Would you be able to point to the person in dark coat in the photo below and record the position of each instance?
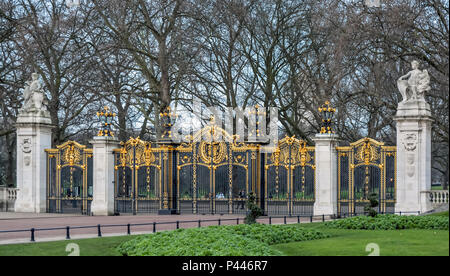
(242, 197)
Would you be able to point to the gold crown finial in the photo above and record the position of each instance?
(327, 113)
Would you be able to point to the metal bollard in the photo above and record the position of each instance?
(219, 222)
(284, 219)
(99, 230)
(311, 218)
(323, 218)
(298, 219)
(237, 221)
(199, 223)
(68, 233)
(178, 225)
(32, 234)
(270, 220)
(154, 227)
(129, 229)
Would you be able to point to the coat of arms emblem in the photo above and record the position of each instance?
(409, 141)
(26, 145)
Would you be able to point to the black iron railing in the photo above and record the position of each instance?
(178, 224)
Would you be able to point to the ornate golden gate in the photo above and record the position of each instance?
(290, 178)
(366, 167)
(138, 177)
(69, 179)
(215, 173)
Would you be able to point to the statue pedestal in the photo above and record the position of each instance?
(34, 135)
(413, 108)
(103, 162)
(414, 122)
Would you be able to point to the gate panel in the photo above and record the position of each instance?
(243, 175)
(366, 167)
(277, 190)
(345, 194)
(71, 190)
(185, 188)
(303, 190)
(69, 179)
(137, 177)
(367, 181)
(52, 180)
(148, 190)
(390, 183)
(204, 190)
(222, 189)
(218, 169)
(240, 188)
(123, 186)
(290, 178)
(186, 183)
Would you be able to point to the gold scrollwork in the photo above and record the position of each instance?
(136, 153)
(213, 151)
(367, 150)
(303, 153)
(122, 158)
(71, 155)
(240, 159)
(292, 151)
(366, 153)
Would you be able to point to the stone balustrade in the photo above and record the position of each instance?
(438, 197)
(8, 198)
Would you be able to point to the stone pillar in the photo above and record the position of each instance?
(326, 174)
(103, 162)
(34, 135)
(414, 121)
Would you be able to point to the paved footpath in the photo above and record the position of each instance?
(18, 221)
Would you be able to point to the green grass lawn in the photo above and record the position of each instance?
(88, 247)
(441, 214)
(437, 188)
(354, 242)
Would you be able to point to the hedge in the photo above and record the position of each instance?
(391, 222)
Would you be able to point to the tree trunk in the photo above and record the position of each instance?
(165, 82)
(10, 169)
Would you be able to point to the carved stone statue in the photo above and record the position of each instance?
(33, 96)
(413, 85)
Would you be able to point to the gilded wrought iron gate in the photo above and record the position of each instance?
(69, 179)
(290, 178)
(137, 177)
(366, 167)
(215, 173)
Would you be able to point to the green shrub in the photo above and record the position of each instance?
(373, 202)
(274, 234)
(254, 210)
(236, 240)
(391, 222)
